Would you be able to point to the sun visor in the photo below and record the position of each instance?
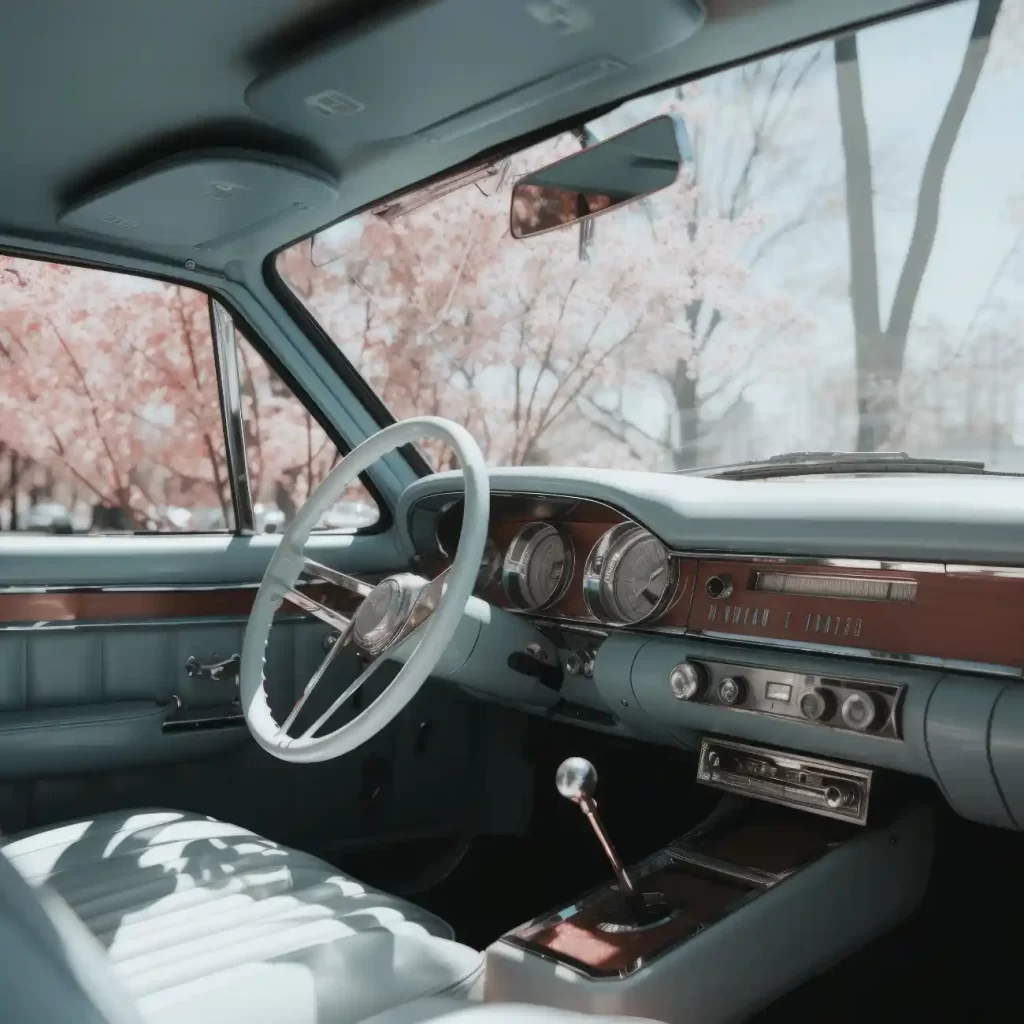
(201, 200)
(454, 65)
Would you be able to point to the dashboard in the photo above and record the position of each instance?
(583, 562)
(910, 664)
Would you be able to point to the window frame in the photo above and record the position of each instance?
(237, 462)
(385, 514)
(332, 352)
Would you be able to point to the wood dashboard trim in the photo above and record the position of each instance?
(960, 614)
(35, 606)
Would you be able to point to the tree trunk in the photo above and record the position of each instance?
(880, 354)
(684, 391)
(860, 220)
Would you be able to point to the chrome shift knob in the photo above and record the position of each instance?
(576, 779)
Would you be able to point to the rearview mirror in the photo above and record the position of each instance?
(610, 174)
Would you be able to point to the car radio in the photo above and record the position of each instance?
(822, 787)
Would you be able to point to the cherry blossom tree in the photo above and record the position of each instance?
(109, 382)
(534, 344)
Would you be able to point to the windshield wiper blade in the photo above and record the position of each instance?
(811, 463)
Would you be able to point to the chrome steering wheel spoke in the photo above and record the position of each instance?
(339, 579)
(386, 614)
(311, 606)
(335, 649)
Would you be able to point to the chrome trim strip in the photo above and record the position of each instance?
(129, 588)
(65, 627)
(225, 345)
(774, 561)
(1004, 571)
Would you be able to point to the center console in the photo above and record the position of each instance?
(742, 908)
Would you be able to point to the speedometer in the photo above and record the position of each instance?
(629, 577)
(537, 567)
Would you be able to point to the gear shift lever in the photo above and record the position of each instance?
(576, 780)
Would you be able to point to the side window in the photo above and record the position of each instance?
(289, 453)
(109, 410)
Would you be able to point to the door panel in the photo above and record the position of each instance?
(91, 676)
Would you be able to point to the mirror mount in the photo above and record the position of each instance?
(607, 174)
(586, 138)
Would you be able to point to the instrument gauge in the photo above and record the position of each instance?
(629, 577)
(537, 567)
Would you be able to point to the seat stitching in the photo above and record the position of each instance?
(167, 918)
(104, 883)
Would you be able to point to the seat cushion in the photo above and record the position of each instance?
(206, 921)
(458, 1011)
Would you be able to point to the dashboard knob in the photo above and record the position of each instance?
(574, 664)
(688, 680)
(817, 704)
(718, 587)
(837, 796)
(859, 711)
(732, 690)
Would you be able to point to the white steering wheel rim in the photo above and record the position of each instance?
(437, 632)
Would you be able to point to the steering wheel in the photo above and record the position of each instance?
(387, 614)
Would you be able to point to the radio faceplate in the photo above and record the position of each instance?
(821, 787)
(832, 702)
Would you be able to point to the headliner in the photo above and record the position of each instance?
(97, 90)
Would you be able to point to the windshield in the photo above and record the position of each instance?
(838, 267)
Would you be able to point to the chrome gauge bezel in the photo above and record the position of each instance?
(515, 566)
(601, 568)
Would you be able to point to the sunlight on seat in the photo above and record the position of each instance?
(139, 823)
(48, 851)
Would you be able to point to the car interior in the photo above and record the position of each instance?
(365, 657)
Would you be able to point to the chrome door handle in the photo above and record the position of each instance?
(215, 670)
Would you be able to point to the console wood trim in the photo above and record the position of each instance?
(764, 843)
(698, 902)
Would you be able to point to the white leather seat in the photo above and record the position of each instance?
(204, 921)
(458, 1011)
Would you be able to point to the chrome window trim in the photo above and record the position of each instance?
(174, 623)
(225, 343)
(127, 588)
